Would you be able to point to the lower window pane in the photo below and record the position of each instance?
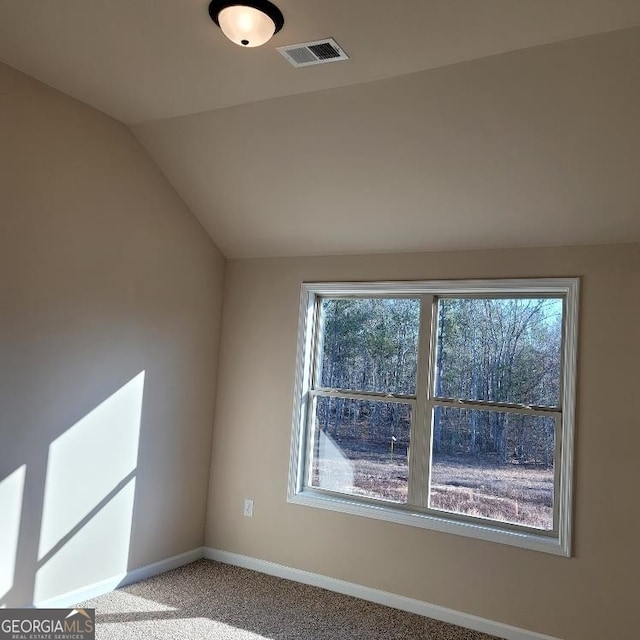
(361, 448)
(493, 465)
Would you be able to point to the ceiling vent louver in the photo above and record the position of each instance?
(316, 52)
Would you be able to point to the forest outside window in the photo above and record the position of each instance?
(444, 405)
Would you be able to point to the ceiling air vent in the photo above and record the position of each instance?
(317, 52)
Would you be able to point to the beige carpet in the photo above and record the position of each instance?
(210, 600)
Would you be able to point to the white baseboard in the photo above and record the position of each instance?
(403, 603)
(120, 580)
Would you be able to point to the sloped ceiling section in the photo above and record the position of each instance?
(455, 124)
(534, 147)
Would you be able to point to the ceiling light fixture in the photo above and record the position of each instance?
(250, 23)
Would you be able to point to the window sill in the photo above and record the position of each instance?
(524, 540)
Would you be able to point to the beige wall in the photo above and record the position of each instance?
(590, 596)
(104, 274)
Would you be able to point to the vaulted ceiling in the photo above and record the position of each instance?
(455, 124)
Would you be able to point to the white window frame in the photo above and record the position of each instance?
(557, 542)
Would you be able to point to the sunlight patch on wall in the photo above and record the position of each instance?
(98, 551)
(11, 492)
(89, 495)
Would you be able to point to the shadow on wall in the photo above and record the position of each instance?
(67, 507)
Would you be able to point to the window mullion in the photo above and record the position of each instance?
(420, 438)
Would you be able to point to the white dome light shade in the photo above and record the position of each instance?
(248, 23)
(246, 26)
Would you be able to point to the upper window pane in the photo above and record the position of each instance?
(499, 350)
(369, 344)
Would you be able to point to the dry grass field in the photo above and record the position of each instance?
(506, 492)
(520, 494)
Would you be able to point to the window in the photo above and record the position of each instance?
(443, 405)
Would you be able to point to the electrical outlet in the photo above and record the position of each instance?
(248, 508)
